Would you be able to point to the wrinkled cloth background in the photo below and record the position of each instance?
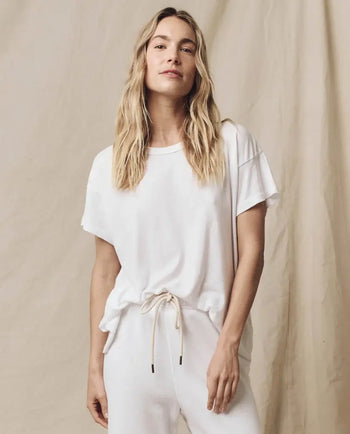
(282, 69)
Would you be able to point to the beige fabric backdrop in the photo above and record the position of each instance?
(282, 69)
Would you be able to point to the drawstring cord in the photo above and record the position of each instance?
(157, 300)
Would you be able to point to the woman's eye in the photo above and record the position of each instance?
(185, 48)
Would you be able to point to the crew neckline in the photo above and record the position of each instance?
(165, 149)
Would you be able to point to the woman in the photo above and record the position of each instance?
(173, 203)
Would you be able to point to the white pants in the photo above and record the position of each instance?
(144, 402)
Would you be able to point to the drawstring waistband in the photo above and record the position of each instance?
(157, 300)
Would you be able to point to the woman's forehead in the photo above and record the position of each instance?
(174, 28)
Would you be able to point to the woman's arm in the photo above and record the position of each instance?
(251, 240)
(104, 272)
(223, 369)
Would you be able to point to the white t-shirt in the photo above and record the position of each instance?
(172, 233)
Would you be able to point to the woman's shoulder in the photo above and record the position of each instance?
(104, 155)
(240, 139)
(233, 130)
(100, 167)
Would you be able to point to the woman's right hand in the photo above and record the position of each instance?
(97, 398)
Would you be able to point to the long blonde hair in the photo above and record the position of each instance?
(201, 128)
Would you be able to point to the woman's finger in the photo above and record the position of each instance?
(220, 393)
(95, 410)
(234, 385)
(212, 384)
(104, 406)
(227, 394)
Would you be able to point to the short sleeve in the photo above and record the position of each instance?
(94, 216)
(255, 179)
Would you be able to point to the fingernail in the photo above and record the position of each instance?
(106, 415)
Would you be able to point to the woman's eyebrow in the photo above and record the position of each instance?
(167, 39)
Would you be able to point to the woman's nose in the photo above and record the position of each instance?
(173, 56)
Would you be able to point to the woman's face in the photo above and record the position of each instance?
(173, 49)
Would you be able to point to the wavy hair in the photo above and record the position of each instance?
(201, 128)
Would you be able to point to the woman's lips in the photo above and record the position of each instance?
(171, 74)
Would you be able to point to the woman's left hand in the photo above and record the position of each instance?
(222, 377)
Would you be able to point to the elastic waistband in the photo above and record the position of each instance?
(183, 304)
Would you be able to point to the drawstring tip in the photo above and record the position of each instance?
(152, 367)
(180, 360)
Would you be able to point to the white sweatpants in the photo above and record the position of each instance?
(144, 402)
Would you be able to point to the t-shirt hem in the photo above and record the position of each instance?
(270, 198)
(96, 231)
